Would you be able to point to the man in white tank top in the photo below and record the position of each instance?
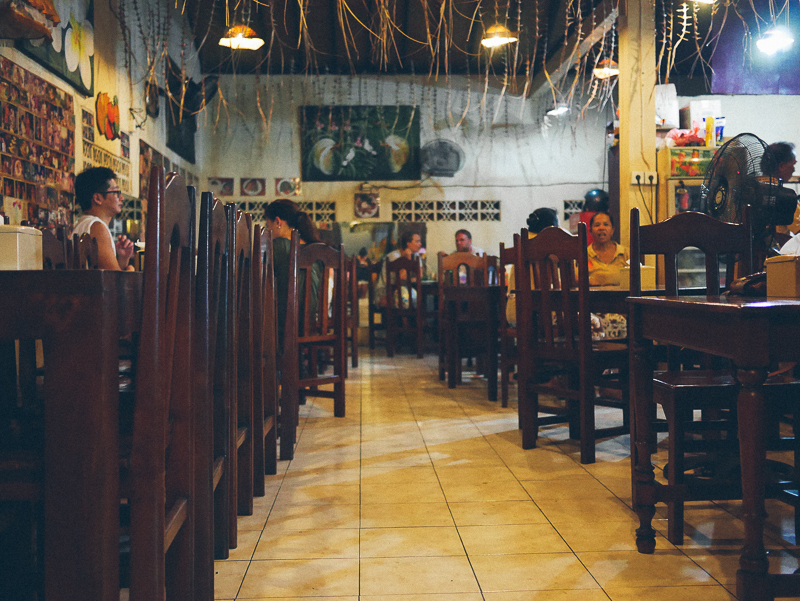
(98, 194)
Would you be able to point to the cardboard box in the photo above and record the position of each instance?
(783, 276)
(648, 277)
(699, 110)
(20, 248)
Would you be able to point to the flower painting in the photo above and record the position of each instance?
(354, 143)
(71, 53)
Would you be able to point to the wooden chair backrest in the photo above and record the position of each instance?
(562, 261)
(163, 391)
(85, 253)
(507, 257)
(690, 229)
(54, 249)
(324, 314)
(463, 268)
(403, 274)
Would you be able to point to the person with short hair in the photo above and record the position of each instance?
(100, 198)
(778, 160)
(464, 244)
(410, 245)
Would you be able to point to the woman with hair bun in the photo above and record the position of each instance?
(283, 217)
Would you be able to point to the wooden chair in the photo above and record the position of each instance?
(556, 354)
(404, 281)
(240, 362)
(352, 317)
(84, 252)
(315, 321)
(54, 249)
(712, 391)
(265, 376)
(160, 476)
(508, 335)
(458, 268)
(210, 391)
(375, 309)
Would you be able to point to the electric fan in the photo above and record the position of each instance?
(740, 174)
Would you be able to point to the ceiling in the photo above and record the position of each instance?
(434, 37)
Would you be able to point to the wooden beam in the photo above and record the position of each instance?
(593, 28)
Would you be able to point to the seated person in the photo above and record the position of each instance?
(100, 198)
(606, 257)
(410, 243)
(283, 217)
(464, 244)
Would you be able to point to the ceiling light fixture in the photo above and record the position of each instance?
(775, 40)
(241, 37)
(498, 35)
(558, 110)
(606, 69)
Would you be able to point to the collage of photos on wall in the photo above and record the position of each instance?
(37, 148)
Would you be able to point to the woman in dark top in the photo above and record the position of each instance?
(283, 217)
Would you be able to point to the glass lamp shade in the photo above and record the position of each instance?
(605, 69)
(241, 37)
(498, 35)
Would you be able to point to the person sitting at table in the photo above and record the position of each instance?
(100, 198)
(283, 217)
(410, 245)
(464, 244)
(606, 257)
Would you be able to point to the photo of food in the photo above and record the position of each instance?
(221, 186)
(253, 186)
(366, 205)
(287, 186)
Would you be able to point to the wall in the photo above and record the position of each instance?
(519, 157)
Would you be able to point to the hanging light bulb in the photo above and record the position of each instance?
(775, 40)
(241, 37)
(558, 110)
(606, 69)
(498, 35)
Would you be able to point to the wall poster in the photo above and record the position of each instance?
(37, 148)
(356, 143)
(71, 53)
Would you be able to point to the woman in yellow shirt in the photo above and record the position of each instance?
(606, 257)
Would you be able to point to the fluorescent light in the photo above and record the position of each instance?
(606, 68)
(241, 37)
(775, 40)
(498, 35)
(559, 109)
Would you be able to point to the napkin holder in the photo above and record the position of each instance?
(20, 248)
(648, 277)
(783, 276)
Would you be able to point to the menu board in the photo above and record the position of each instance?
(37, 148)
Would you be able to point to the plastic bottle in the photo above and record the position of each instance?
(711, 133)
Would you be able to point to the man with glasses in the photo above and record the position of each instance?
(100, 198)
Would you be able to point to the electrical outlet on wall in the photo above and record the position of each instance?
(644, 178)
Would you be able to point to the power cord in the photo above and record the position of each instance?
(641, 194)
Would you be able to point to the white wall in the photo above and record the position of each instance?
(526, 163)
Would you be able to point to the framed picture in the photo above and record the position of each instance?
(287, 186)
(366, 205)
(221, 186)
(252, 186)
(357, 143)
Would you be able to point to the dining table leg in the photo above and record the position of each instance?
(752, 580)
(642, 474)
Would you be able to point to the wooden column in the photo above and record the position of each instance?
(637, 114)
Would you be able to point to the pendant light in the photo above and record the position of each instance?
(606, 69)
(498, 35)
(240, 36)
(775, 40)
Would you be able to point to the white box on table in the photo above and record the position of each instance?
(783, 276)
(20, 248)
(648, 277)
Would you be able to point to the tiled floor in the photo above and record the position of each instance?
(424, 494)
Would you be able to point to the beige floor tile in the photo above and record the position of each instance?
(484, 491)
(672, 593)
(228, 576)
(417, 575)
(530, 572)
(327, 598)
(723, 563)
(252, 522)
(512, 539)
(631, 569)
(322, 477)
(307, 544)
(416, 492)
(300, 578)
(562, 595)
(423, 597)
(578, 487)
(393, 476)
(312, 494)
(314, 517)
(405, 515)
(246, 544)
(398, 459)
(608, 509)
(499, 512)
(411, 542)
(473, 475)
(605, 536)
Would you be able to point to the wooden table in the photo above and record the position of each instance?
(79, 315)
(483, 301)
(753, 333)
